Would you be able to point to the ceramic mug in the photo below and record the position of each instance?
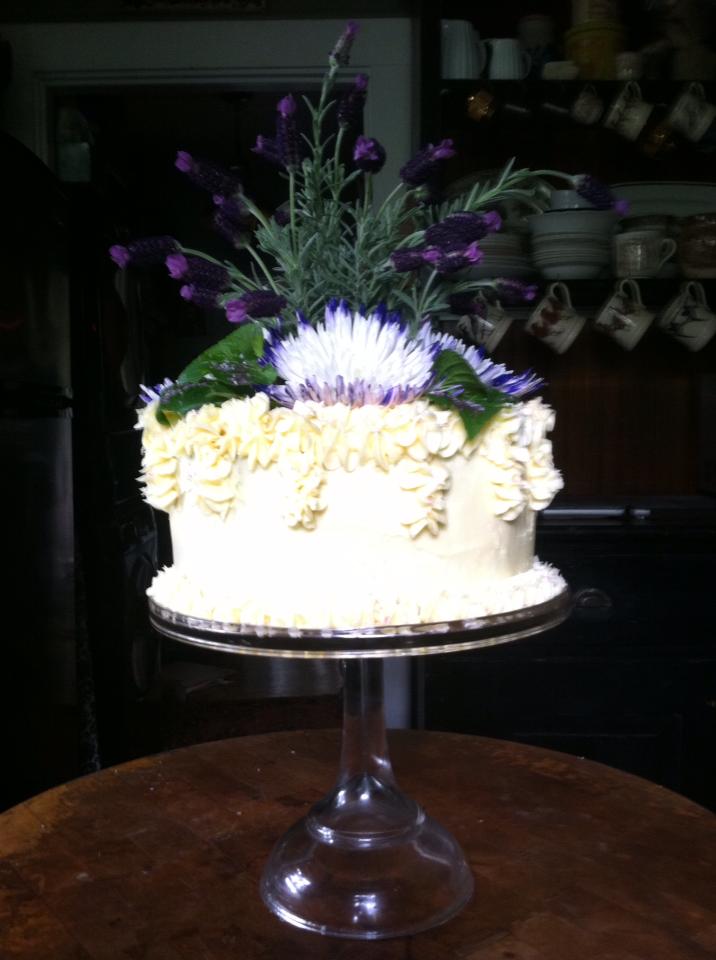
(623, 316)
(486, 329)
(508, 61)
(691, 113)
(554, 320)
(588, 106)
(463, 54)
(641, 253)
(688, 319)
(629, 112)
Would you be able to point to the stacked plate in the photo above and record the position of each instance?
(572, 244)
(571, 256)
(504, 256)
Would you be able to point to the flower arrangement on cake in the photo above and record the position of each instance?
(338, 405)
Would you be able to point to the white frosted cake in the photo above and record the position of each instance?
(321, 514)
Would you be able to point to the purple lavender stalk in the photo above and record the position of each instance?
(267, 148)
(599, 194)
(208, 175)
(341, 52)
(467, 304)
(407, 259)
(425, 164)
(512, 292)
(452, 260)
(201, 296)
(459, 230)
(197, 271)
(255, 303)
(350, 107)
(368, 154)
(287, 139)
(144, 252)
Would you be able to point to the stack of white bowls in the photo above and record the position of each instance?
(572, 244)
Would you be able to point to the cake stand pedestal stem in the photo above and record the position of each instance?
(366, 862)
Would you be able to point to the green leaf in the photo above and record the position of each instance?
(453, 371)
(180, 399)
(245, 343)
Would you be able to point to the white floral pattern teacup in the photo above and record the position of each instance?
(688, 319)
(554, 320)
(623, 317)
(486, 329)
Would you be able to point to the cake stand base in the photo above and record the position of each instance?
(366, 862)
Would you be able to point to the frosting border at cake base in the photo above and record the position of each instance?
(542, 582)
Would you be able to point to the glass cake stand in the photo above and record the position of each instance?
(366, 862)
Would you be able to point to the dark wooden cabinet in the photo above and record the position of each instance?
(630, 678)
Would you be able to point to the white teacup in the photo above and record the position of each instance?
(641, 253)
(629, 112)
(487, 330)
(588, 106)
(554, 320)
(623, 317)
(688, 319)
(691, 113)
(508, 60)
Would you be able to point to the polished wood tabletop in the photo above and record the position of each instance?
(160, 859)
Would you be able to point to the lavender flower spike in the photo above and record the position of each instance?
(598, 194)
(404, 260)
(200, 272)
(341, 52)
(512, 291)
(201, 296)
(424, 165)
(287, 139)
(255, 303)
(368, 155)
(143, 253)
(267, 148)
(208, 175)
(350, 107)
(451, 260)
(459, 230)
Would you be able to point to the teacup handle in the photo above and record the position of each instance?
(560, 292)
(696, 292)
(667, 250)
(696, 89)
(633, 90)
(633, 287)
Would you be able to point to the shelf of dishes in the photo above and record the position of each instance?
(655, 117)
(669, 231)
(624, 316)
(596, 45)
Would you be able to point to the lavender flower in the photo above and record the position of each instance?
(368, 155)
(255, 303)
(459, 230)
(351, 358)
(407, 259)
(424, 165)
(494, 375)
(232, 207)
(340, 54)
(149, 394)
(201, 296)
(513, 292)
(287, 139)
(143, 253)
(230, 230)
(203, 273)
(448, 261)
(282, 217)
(350, 107)
(267, 148)
(208, 175)
(599, 194)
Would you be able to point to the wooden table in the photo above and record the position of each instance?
(159, 859)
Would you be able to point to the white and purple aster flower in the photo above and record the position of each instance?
(352, 358)
(150, 394)
(494, 375)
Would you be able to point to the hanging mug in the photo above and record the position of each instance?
(623, 317)
(688, 319)
(629, 112)
(554, 320)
